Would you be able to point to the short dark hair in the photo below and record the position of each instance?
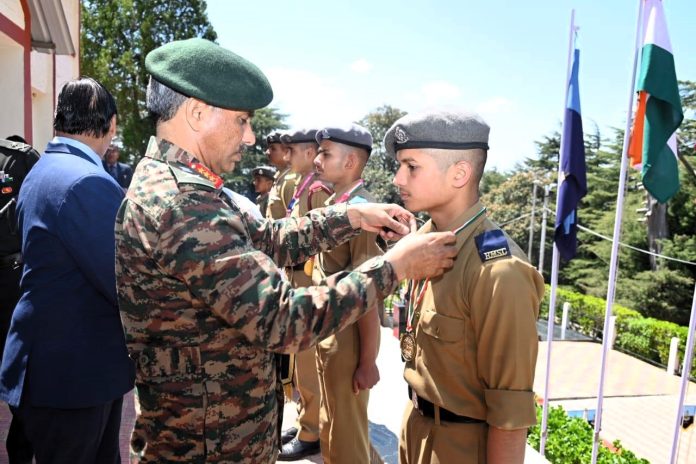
(84, 107)
(162, 101)
(16, 138)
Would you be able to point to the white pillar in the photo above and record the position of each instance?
(564, 319)
(531, 222)
(542, 245)
(673, 360)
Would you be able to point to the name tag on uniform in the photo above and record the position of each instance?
(491, 245)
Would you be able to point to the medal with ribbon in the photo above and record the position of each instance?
(298, 193)
(407, 340)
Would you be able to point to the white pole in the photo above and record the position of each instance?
(544, 216)
(554, 262)
(686, 371)
(564, 318)
(531, 222)
(613, 266)
(673, 356)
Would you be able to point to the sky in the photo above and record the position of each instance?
(332, 62)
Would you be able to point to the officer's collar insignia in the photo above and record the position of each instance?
(207, 173)
(400, 136)
(492, 244)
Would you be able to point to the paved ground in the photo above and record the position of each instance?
(640, 399)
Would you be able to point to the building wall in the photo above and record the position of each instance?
(12, 65)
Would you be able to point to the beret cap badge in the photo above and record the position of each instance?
(400, 136)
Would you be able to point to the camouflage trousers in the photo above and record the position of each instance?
(204, 422)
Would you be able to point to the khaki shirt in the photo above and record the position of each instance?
(476, 337)
(312, 197)
(351, 254)
(281, 193)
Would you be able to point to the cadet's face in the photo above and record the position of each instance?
(262, 184)
(330, 162)
(301, 157)
(276, 154)
(420, 181)
(224, 137)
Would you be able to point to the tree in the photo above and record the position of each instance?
(115, 38)
(381, 167)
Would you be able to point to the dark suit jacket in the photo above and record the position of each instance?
(124, 173)
(66, 348)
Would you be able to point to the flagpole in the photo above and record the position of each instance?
(554, 260)
(611, 289)
(686, 371)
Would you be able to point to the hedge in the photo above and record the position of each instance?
(645, 337)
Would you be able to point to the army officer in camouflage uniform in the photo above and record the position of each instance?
(202, 303)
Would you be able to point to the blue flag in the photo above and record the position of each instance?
(574, 180)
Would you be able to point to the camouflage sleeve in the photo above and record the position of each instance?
(207, 248)
(293, 240)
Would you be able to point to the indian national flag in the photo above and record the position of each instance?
(653, 146)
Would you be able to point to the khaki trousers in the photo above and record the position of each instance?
(423, 441)
(306, 379)
(343, 415)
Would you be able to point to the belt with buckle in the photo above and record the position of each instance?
(11, 260)
(427, 409)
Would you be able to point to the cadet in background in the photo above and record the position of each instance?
(346, 361)
(263, 178)
(310, 193)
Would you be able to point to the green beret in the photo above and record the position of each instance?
(202, 69)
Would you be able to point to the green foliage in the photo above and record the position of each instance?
(646, 337)
(115, 38)
(569, 441)
(380, 169)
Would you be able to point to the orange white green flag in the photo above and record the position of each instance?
(653, 147)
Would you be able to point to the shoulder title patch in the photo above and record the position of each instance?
(492, 244)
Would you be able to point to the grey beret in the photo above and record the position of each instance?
(437, 129)
(353, 135)
(298, 136)
(265, 171)
(273, 137)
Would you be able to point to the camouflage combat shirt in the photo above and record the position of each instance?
(204, 308)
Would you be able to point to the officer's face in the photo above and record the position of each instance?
(330, 162)
(422, 184)
(223, 138)
(276, 154)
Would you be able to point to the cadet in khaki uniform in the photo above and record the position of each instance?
(203, 305)
(263, 177)
(471, 343)
(309, 194)
(285, 180)
(346, 361)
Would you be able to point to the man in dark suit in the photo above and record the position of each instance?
(119, 171)
(65, 367)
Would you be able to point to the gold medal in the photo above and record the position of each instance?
(408, 346)
(308, 267)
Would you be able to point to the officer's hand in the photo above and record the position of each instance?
(390, 221)
(365, 377)
(422, 256)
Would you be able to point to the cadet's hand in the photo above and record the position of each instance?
(390, 221)
(365, 377)
(422, 256)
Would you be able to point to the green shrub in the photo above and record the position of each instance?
(569, 441)
(645, 337)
